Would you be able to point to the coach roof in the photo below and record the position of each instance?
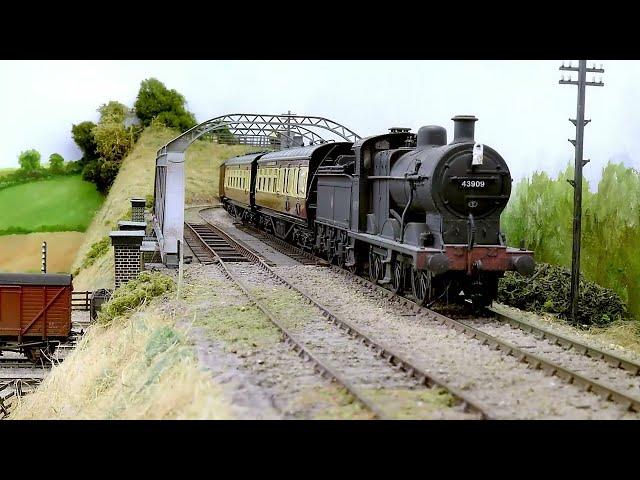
(244, 159)
(299, 152)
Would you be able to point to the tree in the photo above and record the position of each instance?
(56, 163)
(29, 161)
(155, 101)
(113, 112)
(82, 134)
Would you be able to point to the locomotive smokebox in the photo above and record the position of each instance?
(432, 136)
(463, 128)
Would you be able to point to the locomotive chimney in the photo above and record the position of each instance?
(432, 136)
(463, 128)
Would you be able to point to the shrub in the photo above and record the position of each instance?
(548, 290)
(113, 140)
(541, 211)
(134, 293)
(73, 168)
(113, 112)
(96, 250)
(101, 172)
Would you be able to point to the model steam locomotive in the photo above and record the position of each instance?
(415, 212)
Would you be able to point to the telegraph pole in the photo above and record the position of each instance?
(43, 267)
(580, 162)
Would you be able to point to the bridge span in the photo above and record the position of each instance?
(260, 130)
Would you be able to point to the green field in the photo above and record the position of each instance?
(6, 171)
(56, 205)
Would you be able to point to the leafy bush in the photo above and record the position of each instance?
(541, 212)
(113, 112)
(113, 140)
(73, 168)
(548, 290)
(155, 103)
(135, 293)
(101, 172)
(96, 250)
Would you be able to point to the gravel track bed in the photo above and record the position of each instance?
(599, 370)
(266, 380)
(556, 326)
(382, 383)
(507, 386)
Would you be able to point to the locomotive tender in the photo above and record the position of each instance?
(416, 212)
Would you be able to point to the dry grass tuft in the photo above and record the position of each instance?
(137, 367)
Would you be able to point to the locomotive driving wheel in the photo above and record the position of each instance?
(341, 254)
(330, 245)
(397, 276)
(421, 286)
(375, 267)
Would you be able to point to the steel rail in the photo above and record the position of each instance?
(428, 379)
(290, 339)
(607, 392)
(569, 343)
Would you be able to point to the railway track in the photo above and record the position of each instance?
(628, 397)
(379, 357)
(14, 388)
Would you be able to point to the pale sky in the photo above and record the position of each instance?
(523, 112)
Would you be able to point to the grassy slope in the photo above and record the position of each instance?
(141, 366)
(136, 179)
(65, 204)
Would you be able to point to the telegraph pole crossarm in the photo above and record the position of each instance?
(576, 183)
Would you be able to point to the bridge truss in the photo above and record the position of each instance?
(259, 130)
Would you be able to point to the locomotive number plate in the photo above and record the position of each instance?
(472, 183)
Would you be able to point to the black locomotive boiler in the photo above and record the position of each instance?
(416, 213)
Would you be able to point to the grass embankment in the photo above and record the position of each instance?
(57, 205)
(136, 363)
(136, 179)
(21, 253)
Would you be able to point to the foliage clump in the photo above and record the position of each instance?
(96, 250)
(548, 291)
(541, 212)
(135, 293)
(156, 103)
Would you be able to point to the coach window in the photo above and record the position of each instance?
(302, 182)
(287, 174)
